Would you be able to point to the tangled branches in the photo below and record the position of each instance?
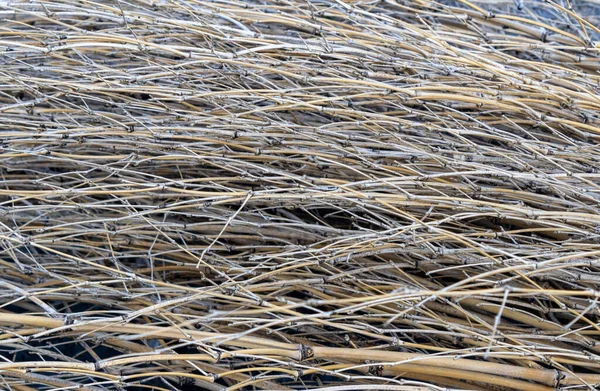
(283, 194)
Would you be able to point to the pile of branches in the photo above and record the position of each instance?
(299, 195)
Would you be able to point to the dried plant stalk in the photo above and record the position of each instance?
(314, 195)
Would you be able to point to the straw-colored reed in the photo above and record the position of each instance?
(283, 194)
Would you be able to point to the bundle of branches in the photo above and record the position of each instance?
(284, 194)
